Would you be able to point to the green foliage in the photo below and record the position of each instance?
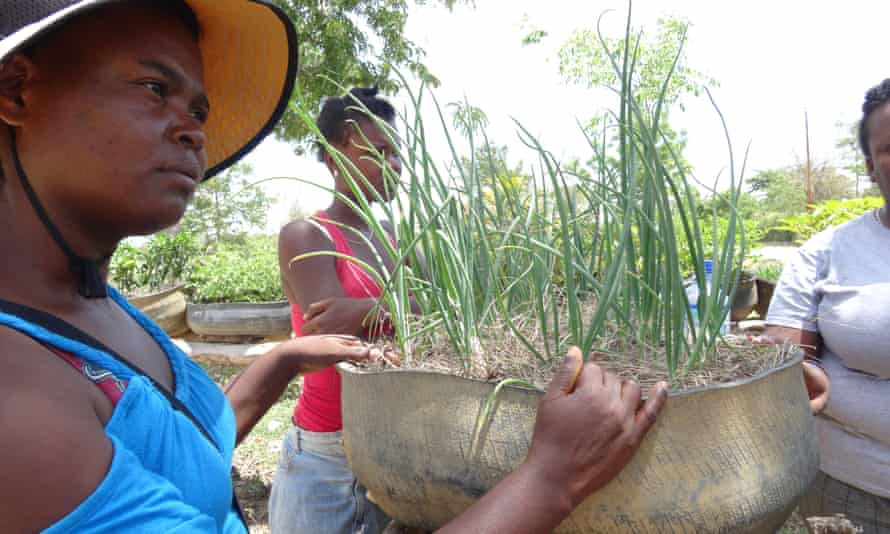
(765, 269)
(828, 214)
(584, 60)
(659, 77)
(852, 159)
(715, 232)
(245, 272)
(467, 119)
(227, 207)
(124, 271)
(162, 262)
(211, 250)
(786, 187)
(781, 193)
(851, 153)
(344, 43)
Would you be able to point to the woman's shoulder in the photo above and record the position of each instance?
(49, 408)
(305, 235)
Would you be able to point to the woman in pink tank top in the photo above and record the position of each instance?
(314, 489)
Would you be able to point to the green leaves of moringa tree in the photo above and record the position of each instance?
(346, 43)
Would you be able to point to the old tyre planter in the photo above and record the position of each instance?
(765, 290)
(261, 319)
(745, 300)
(731, 458)
(166, 308)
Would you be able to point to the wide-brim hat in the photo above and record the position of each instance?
(249, 50)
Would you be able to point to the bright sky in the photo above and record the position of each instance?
(773, 60)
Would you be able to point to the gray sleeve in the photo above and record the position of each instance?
(796, 300)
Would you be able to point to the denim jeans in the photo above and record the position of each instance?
(315, 492)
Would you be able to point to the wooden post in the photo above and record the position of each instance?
(811, 194)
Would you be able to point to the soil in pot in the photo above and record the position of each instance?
(501, 356)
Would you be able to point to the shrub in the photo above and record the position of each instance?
(828, 214)
(161, 262)
(238, 273)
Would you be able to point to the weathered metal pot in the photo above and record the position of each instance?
(260, 319)
(765, 290)
(166, 308)
(731, 458)
(745, 299)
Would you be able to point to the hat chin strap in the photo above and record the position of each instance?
(90, 284)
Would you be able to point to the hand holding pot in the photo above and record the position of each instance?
(818, 386)
(589, 425)
(343, 315)
(814, 377)
(314, 353)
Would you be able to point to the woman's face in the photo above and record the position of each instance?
(366, 144)
(878, 128)
(108, 115)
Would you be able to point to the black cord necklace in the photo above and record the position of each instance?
(90, 284)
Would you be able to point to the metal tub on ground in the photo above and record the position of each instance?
(731, 458)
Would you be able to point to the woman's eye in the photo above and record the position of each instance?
(155, 87)
(200, 115)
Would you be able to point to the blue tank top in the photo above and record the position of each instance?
(165, 476)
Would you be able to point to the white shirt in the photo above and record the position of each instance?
(839, 286)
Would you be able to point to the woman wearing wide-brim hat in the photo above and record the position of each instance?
(111, 113)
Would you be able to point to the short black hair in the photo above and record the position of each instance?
(337, 112)
(876, 97)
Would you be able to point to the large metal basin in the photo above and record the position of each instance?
(732, 458)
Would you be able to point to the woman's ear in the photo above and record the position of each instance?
(15, 74)
(870, 167)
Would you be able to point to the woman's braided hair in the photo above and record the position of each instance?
(876, 97)
(338, 112)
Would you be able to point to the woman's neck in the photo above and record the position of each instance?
(343, 213)
(35, 270)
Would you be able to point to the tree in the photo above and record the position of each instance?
(586, 60)
(852, 159)
(227, 207)
(467, 119)
(346, 43)
(781, 193)
(784, 189)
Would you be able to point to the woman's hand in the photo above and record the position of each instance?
(314, 353)
(589, 425)
(814, 377)
(342, 315)
(818, 386)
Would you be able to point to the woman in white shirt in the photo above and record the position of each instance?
(834, 300)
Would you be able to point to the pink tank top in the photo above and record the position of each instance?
(318, 408)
